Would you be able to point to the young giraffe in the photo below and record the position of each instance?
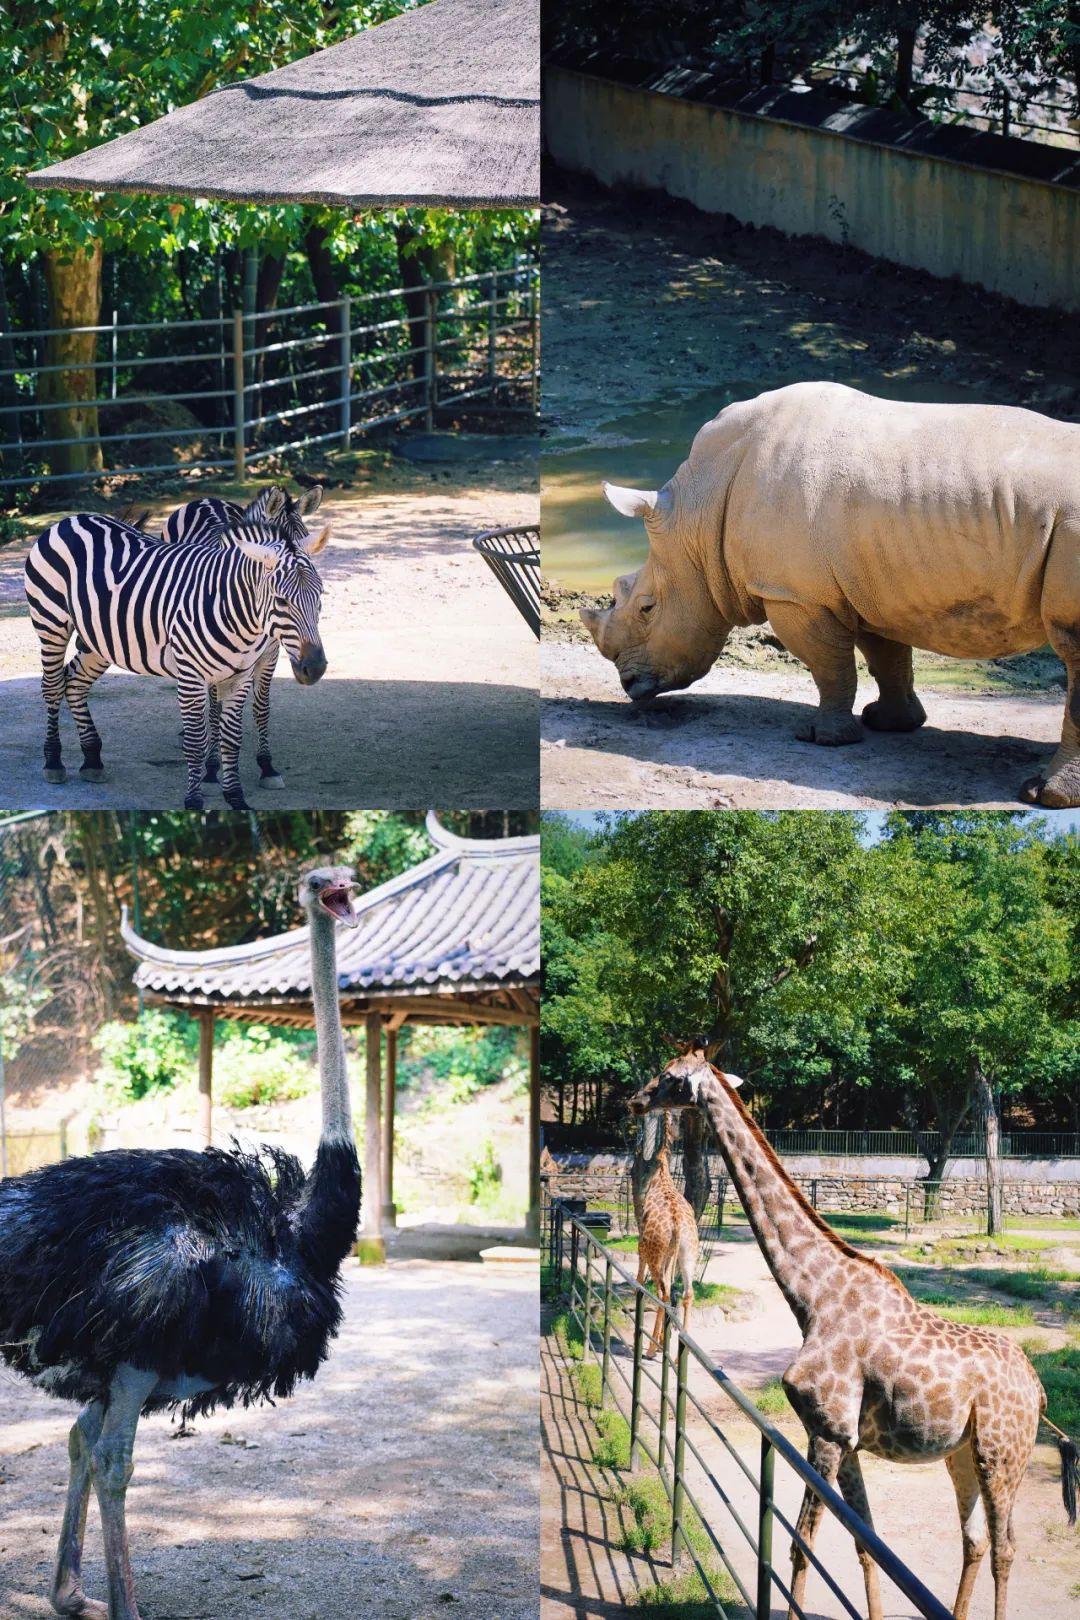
(667, 1228)
(877, 1371)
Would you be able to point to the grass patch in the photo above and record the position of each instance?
(568, 1335)
(771, 1401)
(977, 1313)
(1060, 1374)
(588, 1382)
(856, 1223)
(648, 1515)
(624, 1245)
(684, 1598)
(612, 1449)
(707, 1293)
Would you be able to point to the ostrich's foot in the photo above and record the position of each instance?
(75, 1602)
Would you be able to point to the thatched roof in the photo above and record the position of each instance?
(437, 107)
(456, 938)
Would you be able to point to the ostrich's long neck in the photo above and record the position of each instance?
(802, 1254)
(331, 1206)
(333, 1074)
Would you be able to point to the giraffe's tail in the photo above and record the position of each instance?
(1070, 1469)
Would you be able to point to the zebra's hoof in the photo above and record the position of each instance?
(55, 773)
(91, 773)
(237, 802)
(193, 801)
(273, 781)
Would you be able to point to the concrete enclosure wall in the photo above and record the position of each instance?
(1011, 235)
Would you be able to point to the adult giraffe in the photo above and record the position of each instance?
(877, 1371)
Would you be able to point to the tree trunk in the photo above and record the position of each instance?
(324, 278)
(73, 279)
(419, 264)
(987, 1114)
(905, 63)
(267, 288)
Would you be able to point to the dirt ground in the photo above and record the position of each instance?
(430, 694)
(400, 1485)
(646, 301)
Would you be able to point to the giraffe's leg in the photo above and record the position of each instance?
(111, 1464)
(896, 707)
(85, 668)
(54, 640)
(260, 703)
(67, 1593)
(824, 1455)
(663, 1294)
(965, 1479)
(850, 1480)
(233, 697)
(191, 691)
(827, 647)
(213, 752)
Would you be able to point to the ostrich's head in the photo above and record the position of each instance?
(326, 889)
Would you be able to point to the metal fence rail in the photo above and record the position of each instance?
(259, 384)
(593, 1137)
(668, 1424)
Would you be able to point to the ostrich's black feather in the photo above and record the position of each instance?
(217, 1267)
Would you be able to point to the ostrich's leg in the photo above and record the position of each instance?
(112, 1470)
(67, 1592)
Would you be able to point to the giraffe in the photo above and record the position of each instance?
(667, 1227)
(877, 1371)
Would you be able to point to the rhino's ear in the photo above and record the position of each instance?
(631, 503)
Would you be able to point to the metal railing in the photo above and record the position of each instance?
(599, 1138)
(668, 1423)
(260, 383)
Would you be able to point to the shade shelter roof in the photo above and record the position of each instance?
(454, 940)
(438, 107)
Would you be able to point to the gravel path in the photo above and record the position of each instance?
(430, 695)
(400, 1485)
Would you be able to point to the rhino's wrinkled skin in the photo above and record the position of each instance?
(849, 521)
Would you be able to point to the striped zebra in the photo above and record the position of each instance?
(197, 613)
(208, 518)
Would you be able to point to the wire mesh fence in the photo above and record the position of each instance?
(227, 391)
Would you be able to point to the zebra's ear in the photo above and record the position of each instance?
(260, 551)
(275, 502)
(309, 500)
(316, 542)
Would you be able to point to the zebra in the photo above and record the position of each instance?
(198, 613)
(208, 518)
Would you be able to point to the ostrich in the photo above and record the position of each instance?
(135, 1280)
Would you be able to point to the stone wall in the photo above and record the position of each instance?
(998, 213)
(600, 1178)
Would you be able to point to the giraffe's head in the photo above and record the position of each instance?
(682, 1083)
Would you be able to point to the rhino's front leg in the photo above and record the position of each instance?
(1058, 788)
(897, 708)
(827, 647)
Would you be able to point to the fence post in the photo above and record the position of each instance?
(429, 361)
(765, 1529)
(238, 393)
(573, 1263)
(635, 1382)
(813, 1192)
(665, 1380)
(534, 337)
(493, 321)
(1006, 113)
(678, 1493)
(345, 345)
(587, 1346)
(606, 1363)
(112, 392)
(63, 1138)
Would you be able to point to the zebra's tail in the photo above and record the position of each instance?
(1070, 1469)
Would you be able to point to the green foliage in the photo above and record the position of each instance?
(649, 1514)
(1059, 1371)
(153, 1053)
(485, 1175)
(254, 1064)
(461, 1061)
(771, 1401)
(710, 1294)
(20, 997)
(612, 1449)
(566, 1330)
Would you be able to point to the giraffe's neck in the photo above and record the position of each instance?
(803, 1258)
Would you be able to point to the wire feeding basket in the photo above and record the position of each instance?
(513, 555)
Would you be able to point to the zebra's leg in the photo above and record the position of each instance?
(85, 668)
(234, 695)
(54, 640)
(191, 691)
(213, 757)
(260, 703)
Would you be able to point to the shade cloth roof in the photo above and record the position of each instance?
(437, 107)
(465, 921)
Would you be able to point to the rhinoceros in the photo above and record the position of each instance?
(850, 521)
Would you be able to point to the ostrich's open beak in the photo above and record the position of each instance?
(340, 907)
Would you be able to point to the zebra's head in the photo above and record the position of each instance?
(295, 595)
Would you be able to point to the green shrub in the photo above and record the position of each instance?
(254, 1064)
(485, 1174)
(151, 1054)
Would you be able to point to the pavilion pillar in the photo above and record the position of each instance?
(532, 1220)
(389, 1208)
(206, 1076)
(371, 1248)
